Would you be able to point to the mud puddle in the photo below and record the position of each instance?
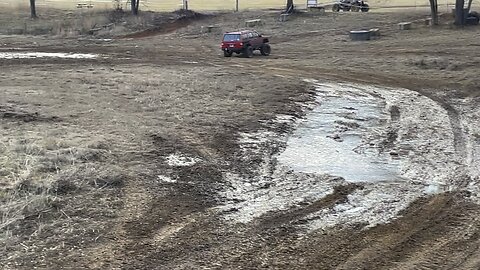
(331, 139)
(396, 144)
(34, 55)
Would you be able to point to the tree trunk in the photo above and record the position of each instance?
(289, 7)
(33, 10)
(459, 14)
(135, 4)
(434, 11)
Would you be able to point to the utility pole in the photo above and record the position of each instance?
(236, 5)
(185, 4)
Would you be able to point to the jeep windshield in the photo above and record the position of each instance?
(231, 37)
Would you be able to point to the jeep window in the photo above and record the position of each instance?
(231, 37)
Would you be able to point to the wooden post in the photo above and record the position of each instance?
(236, 5)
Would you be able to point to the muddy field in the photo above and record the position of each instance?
(139, 146)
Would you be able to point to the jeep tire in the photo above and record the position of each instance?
(365, 8)
(248, 52)
(265, 49)
(227, 53)
(336, 8)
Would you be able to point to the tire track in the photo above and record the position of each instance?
(431, 237)
(442, 254)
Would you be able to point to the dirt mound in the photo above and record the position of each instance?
(168, 24)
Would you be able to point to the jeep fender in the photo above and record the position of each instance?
(265, 40)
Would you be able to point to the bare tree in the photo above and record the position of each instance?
(135, 4)
(33, 10)
(289, 7)
(434, 11)
(459, 12)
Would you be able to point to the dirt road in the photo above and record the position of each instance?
(154, 151)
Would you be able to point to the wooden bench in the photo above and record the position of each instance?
(375, 32)
(83, 5)
(405, 26)
(283, 17)
(210, 29)
(252, 23)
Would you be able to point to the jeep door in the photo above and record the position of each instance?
(256, 40)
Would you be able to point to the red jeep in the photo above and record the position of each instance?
(244, 42)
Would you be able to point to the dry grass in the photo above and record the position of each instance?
(46, 162)
(78, 23)
(69, 23)
(35, 169)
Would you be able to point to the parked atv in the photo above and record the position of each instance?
(351, 5)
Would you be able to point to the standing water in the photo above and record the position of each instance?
(397, 143)
(34, 55)
(334, 139)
